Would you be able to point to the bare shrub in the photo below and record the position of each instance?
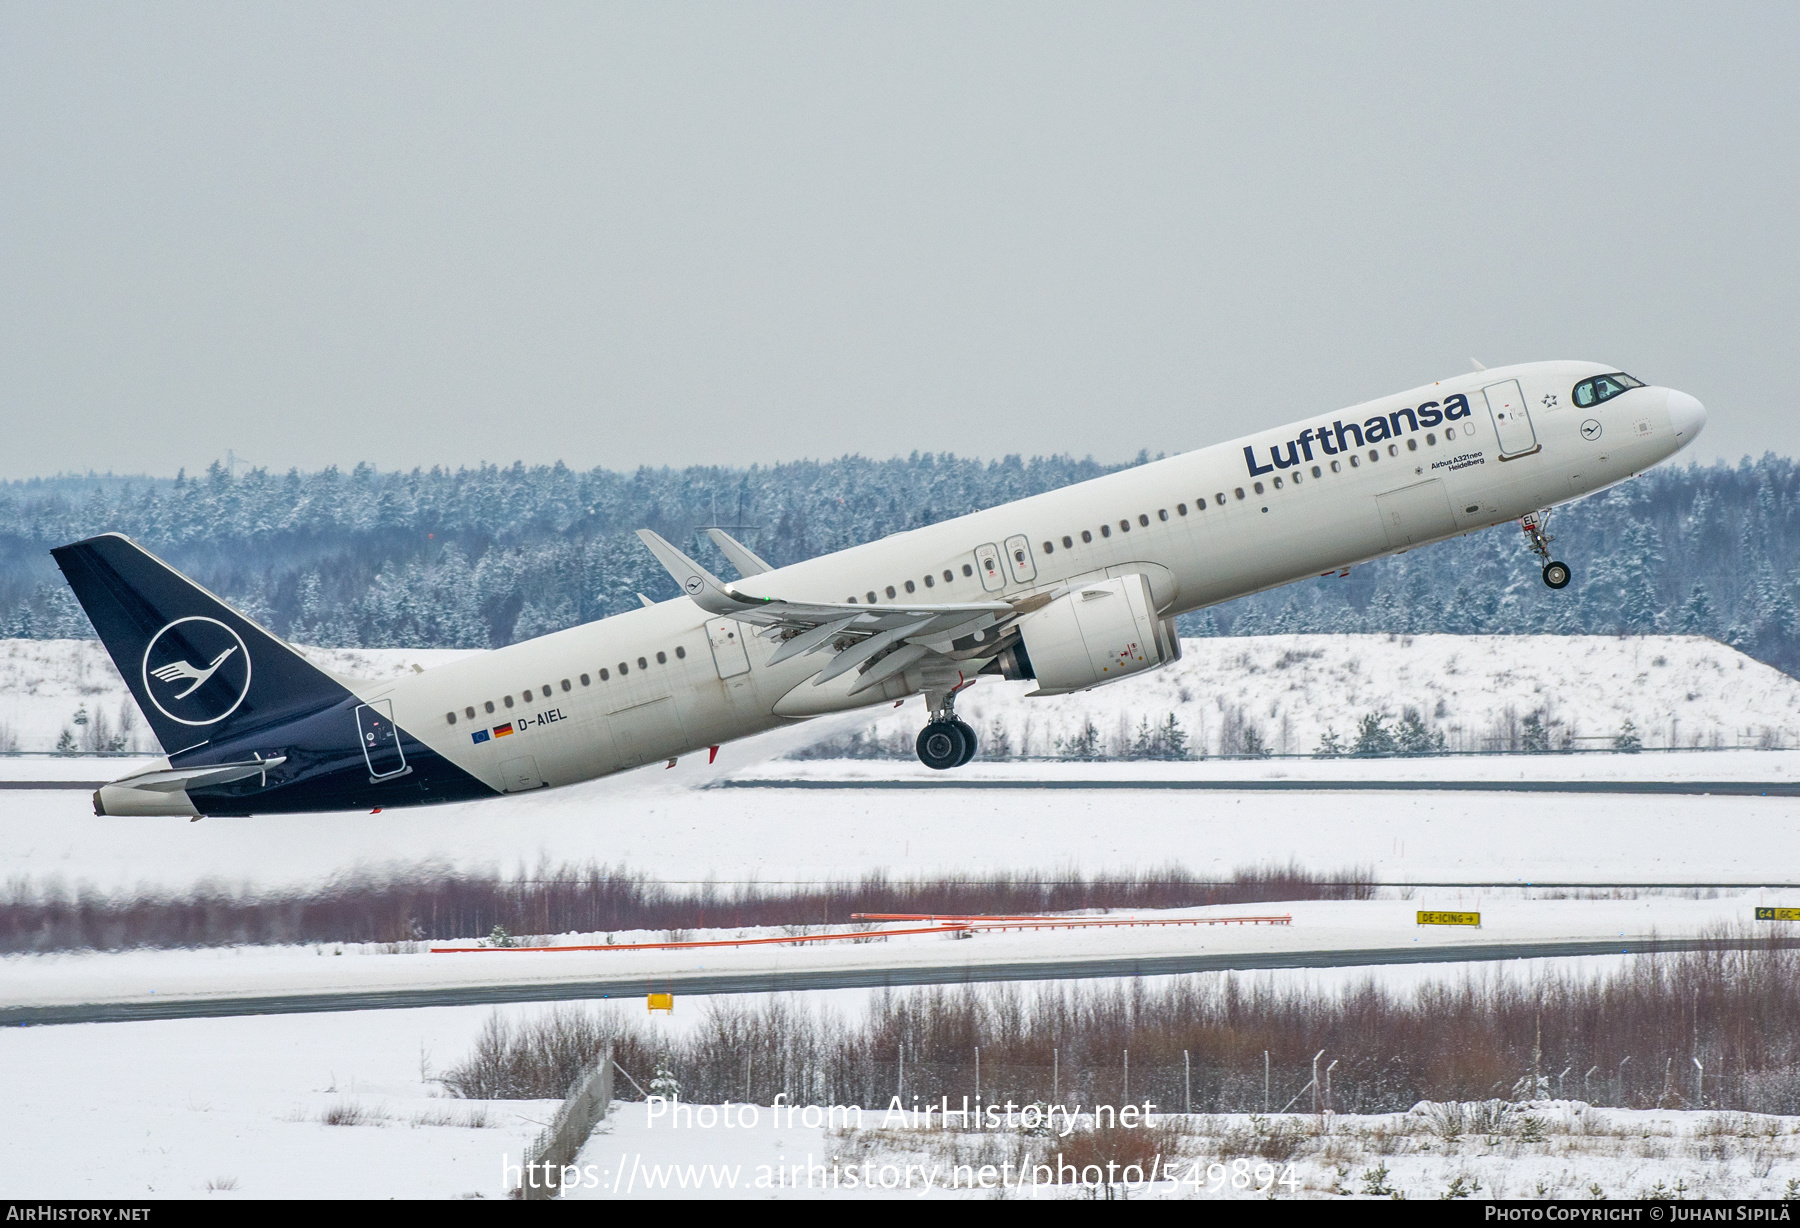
(350, 1113)
(1458, 1044)
(410, 905)
(538, 1059)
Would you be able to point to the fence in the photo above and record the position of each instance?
(558, 1143)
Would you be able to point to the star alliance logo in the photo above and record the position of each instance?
(196, 671)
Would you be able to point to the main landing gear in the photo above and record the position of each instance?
(947, 742)
(1535, 524)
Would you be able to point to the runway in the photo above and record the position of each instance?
(1703, 788)
(856, 978)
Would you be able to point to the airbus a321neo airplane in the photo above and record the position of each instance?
(1075, 588)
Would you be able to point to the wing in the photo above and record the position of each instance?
(881, 640)
(740, 555)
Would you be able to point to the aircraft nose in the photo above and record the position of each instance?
(1686, 415)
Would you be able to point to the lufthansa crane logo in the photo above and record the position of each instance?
(197, 671)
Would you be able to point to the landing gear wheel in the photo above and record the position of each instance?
(941, 745)
(969, 740)
(1556, 575)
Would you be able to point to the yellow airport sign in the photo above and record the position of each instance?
(1778, 914)
(662, 1002)
(1452, 918)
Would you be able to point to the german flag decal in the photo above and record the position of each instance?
(501, 731)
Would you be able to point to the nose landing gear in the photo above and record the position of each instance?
(1535, 526)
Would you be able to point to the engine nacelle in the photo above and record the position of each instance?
(1098, 633)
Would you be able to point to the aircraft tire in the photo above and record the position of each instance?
(941, 745)
(970, 742)
(1556, 575)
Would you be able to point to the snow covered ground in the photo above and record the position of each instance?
(1475, 690)
(238, 1109)
(659, 823)
(138, 976)
(1289, 689)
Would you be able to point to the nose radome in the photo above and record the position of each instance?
(1686, 416)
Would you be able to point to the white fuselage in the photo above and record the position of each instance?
(1203, 527)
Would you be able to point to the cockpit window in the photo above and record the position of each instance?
(1604, 388)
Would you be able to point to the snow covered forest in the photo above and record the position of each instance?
(482, 557)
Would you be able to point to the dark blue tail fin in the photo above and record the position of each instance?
(199, 670)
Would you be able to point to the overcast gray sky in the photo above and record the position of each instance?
(698, 233)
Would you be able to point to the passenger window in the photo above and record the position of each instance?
(1181, 509)
(1049, 548)
(929, 582)
(871, 596)
(1125, 526)
(1068, 544)
(1412, 445)
(1019, 553)
(911, 587)
(567, 685)
(604, 675)
(451, 717)
(586, 681)
(1336, 468)
(1259, 488)
(1162, 513)
(1239, 492)
(1220, 497)
(1144, 521)
(1355, 461)
(968, 570)
(1430, 439)
(890, 592)
(546, 690)
(1277, 486)
(851, 600)
(1393, 449)
(662, 658)
(507, 700)
(489, 705)
(1374, 454)
(1449, 433)
(680, 653)
(1316, 472)
(1105, 530)
(624, 669)
(643, 664)
(469, 712)
(1086, 536)
(527, 695)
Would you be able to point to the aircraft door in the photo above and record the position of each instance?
(987, 562)
(521, 774)
(1018, 557)
(1512, 419)
(727, 639)
(380, 739)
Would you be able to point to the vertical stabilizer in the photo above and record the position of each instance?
(199, 669)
